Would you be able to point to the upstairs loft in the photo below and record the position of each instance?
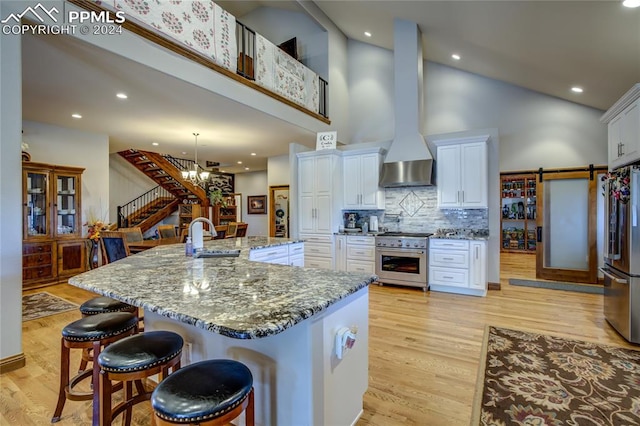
(206, 34)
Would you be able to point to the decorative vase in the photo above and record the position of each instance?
(93, 254)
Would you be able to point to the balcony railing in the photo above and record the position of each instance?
(222, 43)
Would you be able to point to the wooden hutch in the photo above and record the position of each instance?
(53, 248)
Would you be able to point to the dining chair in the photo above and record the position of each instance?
(232, 229)
(134, 234)
(167, 231)
(114, 246)
(221, 232)
(242, 229)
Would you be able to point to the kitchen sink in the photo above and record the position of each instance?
(216, 253)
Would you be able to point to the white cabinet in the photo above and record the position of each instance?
(318, 251)
(361, 177)
(478, 265)
(458, 266)
(341, 252)
(285, 254)
(623, 120)
(462, 171)
(355, 253)
(296, 254)
(319, 191)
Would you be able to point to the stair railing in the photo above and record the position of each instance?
(130, 213)
(184, 164)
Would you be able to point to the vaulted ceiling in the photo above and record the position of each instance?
(546, 46)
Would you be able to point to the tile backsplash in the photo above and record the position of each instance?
(415, 209)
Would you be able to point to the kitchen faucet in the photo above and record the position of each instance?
(203, 219)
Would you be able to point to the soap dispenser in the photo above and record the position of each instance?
(188, 247)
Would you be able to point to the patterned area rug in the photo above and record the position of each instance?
(535, 379)
(43, 304)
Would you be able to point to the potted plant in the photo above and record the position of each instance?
(216, 197)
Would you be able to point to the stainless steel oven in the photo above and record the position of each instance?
(402, 259)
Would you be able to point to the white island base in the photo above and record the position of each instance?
(298, 379)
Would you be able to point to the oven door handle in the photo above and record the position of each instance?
(609, 274)
(398, 252)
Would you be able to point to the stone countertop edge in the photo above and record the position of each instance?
(460, 237)
(231, 296)
(472, 237)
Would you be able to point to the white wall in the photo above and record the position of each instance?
(278, 170)
(535, 130)
(371, 97)
(125, 183)
(156, 57)
(10, 195)
(70, 147)
(338, 73)
(310, 37)
(254, 183)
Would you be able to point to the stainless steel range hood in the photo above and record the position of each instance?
(408, 161)
(406, 173)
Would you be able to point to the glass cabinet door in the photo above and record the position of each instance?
(36, 205)
(66, 217)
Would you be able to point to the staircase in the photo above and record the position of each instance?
(158, 203)
(163, 171)
(148, 215)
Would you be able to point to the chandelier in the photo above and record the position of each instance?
(194, 176)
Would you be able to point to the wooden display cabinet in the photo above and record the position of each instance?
(186, 213)
(53, 248)
(518, 212)
(222, 215)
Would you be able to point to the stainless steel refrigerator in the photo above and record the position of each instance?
(622, 251)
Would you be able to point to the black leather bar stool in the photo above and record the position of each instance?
(89, 333)
(129, 361)
(103, 305)
(207, 393)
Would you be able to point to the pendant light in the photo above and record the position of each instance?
(192, 175)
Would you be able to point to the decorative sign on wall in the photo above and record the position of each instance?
(223, 182)
(326, 140)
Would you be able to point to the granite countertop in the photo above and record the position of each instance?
(461, 234)
(231, 296)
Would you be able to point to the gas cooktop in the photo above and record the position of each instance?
(405, 234)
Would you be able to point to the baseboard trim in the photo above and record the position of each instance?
(493, 286)
(12, 363)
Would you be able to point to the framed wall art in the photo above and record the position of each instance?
(256, 204)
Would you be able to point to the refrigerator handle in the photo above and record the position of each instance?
(607, 273)
(612, 246)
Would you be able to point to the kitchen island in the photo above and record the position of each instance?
(281, 321)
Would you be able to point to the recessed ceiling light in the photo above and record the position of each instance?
(631, 3)
(246, 168)
(455, 56)
(253, 153)
(367, 33)
(122, 96)
(76, 115)
(155, 143)
(239, 162)
(577, 89)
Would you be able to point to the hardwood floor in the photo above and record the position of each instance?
(423, 356)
